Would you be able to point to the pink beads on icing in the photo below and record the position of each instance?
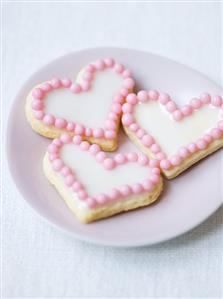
(55, 82)
(48, 119)
(125, 190)
(52, 148)
(132, 157)
(60, 123)
(77, 186)
(220, 125)
(84, 145)
(171, 106)
(98, 133)
(164, 98)
(57, 164)
(154, 178)
(82, 194)
(147, 140)
(131, 99)
(37, 105)
(153, 95)
(129, 83)
(77, 140)
(99, 64)
(143, 160)
(216, 133)
(184, 152)
(217, 101)
(88, 132)
(100, 156)
(120, 159)
(75, 88)
(39, 114)
(165, 164)
(69, 180)
(127, 108)
(38, 93)
(137, 188)
(142, 96)
(110, 134)
(66, 82)
(176, 160)
(119, 68)
(65, 138)
(70, 126)
(109, 163)
(201, 144)
(94, 149)
(147, 185)
(187, 110)
(205, 98)
(196, 103)
(155, 148)
(79, 129)
(192, 148)
(65, 171)
(127, 119)
(117, 108)
(109, 62)
(114, 194)
(177, 115)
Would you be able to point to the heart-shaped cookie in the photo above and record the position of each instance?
(91, 107)
(95, 185)
(177, 137)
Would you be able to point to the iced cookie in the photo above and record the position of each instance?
(177, 137)
(90, 107)
(96, 186)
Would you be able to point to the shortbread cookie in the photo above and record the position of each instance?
(96, 186)
(91, 107)
(177, 137)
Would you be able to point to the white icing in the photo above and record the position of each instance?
(94, 177)
(170, 134)
(88, 108)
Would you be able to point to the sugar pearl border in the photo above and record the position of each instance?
(87, 77)
(177, 114)
(108, 163)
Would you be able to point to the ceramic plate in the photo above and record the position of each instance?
(186, 201)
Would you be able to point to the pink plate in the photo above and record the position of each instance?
(186, 201)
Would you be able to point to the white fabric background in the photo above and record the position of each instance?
(41, 261)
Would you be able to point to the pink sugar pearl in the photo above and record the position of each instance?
(66, 82)
(131, 98)
(142, 96)
(77, 140)
(119, 68)
(192, 148)
(125, 190)
(55, 82)
(98, 133)
(65, 138)
(94, 149)
(216, 133)
(69, 180)
(109, 163)
(187, 110)
(164, 98)
(100, 156)
(134, 127)
(205, 98)
(132, 157)
(53, 148)
(127, 119)
(75, 88)
(201, 144)
(100, 65)
(165, 164)
(177, 115)
(60, 123)
(143, 160)
(57, 164)
(127, 108)
(37, 105)
(171, 106)
(153, 95)
(175, 160)
(77, 186)
(82, 194)
(154, 178)
(110, 134)
(196, 103)
(184, 152)
(217, 101)
(84, 145)
(109, 62)
(147, 140)
(129, 83)
(120, 158)
(79, 129)
(48, 119)
(114, 194)
(137, 188)
(147, 185)
(38, 93)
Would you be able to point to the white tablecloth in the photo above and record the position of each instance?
(41, 261)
